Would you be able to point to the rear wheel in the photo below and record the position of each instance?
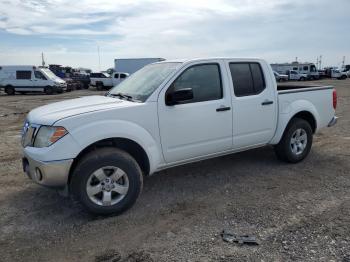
(302, 78)
(10, 90)
(296, 141)
(107, 181)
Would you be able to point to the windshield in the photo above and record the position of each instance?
(49, 74)
(144, 82)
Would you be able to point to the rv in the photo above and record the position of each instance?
(302, 68)
(30, 78)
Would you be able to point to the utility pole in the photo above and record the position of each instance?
(317, 64)
(42, 59)
(320, 61)
(343, 63)
(99, 58)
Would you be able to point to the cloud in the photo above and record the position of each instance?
(278, 30)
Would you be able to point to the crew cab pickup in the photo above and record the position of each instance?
(104, 81)
(98, 148)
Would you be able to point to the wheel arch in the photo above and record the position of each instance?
(308, 114)
(125, 144)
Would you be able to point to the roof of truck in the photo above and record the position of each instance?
(184, 60)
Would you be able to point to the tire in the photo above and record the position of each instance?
(98, 173)
(59, 90)
(48, 90)
(302, 78)
(99, 86)
(295, 152)
(10, 90)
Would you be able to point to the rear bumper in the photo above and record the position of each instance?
(52, 174)
(333, 121)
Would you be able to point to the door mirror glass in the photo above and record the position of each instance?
(179, 96)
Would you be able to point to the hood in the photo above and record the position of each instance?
(59, 80)
(49, 114)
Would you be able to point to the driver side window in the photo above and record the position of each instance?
(204, 80)
(39, 75)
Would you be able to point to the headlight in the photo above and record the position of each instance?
(48, 135)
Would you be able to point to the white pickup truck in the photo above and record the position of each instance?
(104, 81)
(98, 148)
(295, 75)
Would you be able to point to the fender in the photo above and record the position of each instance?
(288, 111)
(85, 136)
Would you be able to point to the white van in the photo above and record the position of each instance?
(24, 79)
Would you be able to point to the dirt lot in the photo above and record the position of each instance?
(298, 212)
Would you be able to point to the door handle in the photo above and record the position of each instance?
(267, 102)
(223, 108)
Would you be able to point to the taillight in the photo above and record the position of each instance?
(334, 99)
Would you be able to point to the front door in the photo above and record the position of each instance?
(40, 80)
(254, 105)
(200, 126)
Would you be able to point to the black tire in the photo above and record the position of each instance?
(284, 150)
(10, 90)
(302, 78)
(59, 90)
(99, 86)
(106, 157)
(48, 90)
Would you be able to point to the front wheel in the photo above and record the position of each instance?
(107, 181)
(296, 141)
(48, 90)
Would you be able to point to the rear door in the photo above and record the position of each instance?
(203, 125)
(24, 81)
(254, 105)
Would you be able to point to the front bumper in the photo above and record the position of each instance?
(50, 173)
(333, 121)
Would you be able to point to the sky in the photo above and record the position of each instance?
(71, 32)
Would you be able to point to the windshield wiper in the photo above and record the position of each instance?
(124, 96)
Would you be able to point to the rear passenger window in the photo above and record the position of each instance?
(122, 76)
(23, 75)
(116, 76)
(247, 78)
(205, 81)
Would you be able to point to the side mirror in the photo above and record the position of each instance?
(179, 96)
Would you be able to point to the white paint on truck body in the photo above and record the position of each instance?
(182, 133)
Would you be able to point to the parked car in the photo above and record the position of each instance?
(30, 78)
(104, 81)
(98, 148)
(280, 77)
(75, 78)
(294, 75)
(336, 73)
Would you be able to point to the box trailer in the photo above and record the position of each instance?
(131, 65)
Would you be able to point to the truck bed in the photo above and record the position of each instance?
(296, 88)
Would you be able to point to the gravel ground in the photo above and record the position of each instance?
(297, 212)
